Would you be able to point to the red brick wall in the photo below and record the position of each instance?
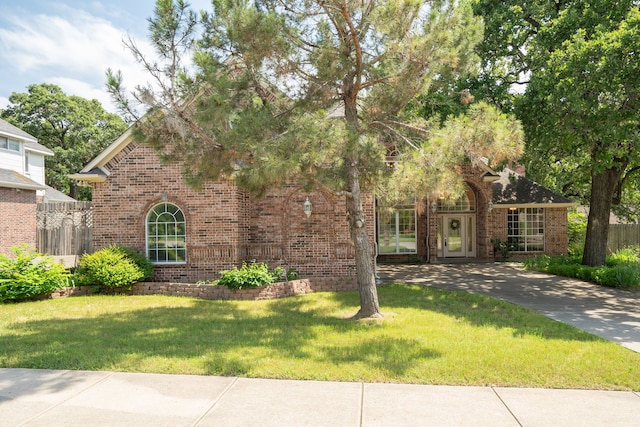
(225, 225)
(17, 219)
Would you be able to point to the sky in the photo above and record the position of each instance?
(71, 43)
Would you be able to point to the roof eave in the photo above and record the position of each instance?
(22, 186)
(533, 205)
(35, 150)
(88, 177)
(108, 153)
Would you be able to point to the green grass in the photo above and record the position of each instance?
(429, 336)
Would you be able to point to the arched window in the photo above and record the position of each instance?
(465, 203)
(166, 234)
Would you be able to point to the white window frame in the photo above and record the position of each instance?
(528, 231)
(178, 237)
(6, 144)
(397, 234)
(26, 162)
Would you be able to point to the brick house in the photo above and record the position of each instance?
(193, 234)
(22, 186)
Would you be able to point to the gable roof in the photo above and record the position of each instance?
(53, 195)
(95, 171)
(513, 190)
(12, 179)
(30, 142)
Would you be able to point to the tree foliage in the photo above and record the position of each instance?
(74, 128)
(580, 109)
(313, 92)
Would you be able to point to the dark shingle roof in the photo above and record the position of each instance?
(515, 189)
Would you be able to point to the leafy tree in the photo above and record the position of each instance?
(74, 128)
(580, 109)
(315, 92)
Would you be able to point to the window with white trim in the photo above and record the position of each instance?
(166, 234)
(397, 232)
(26, 163)
(525, 229)
(9, 144)
(465, 203)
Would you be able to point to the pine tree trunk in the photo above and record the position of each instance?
(369, 306)
(602, 188)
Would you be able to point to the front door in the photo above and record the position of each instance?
(458, 236)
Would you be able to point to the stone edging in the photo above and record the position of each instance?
(212, 292)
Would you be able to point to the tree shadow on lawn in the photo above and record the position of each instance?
(205, 337)
(229, 339)
(477, 310)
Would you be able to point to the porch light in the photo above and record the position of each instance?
(307, 208)
(434, 207)
(490, 206)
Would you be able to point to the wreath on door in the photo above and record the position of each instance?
(454, 224)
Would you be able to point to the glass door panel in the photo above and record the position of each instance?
(455, 236)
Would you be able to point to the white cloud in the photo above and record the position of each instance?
(4, 102)
(72, 50)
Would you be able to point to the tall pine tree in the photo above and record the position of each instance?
(314, 92)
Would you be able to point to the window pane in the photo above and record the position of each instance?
(166, 232)
(525, 229)
(397, 232)
(387, 233)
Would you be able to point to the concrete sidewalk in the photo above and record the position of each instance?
(31, 397)
(612, 314)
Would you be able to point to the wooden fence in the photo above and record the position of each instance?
(64, 228)
(622, 236)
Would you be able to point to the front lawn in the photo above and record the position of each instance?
(429, 336)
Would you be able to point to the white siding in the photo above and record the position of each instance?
(12, 160)
(36, 167)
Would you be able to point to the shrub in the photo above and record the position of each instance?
(141, 261)
(250, 275)
(577, 229)
(500, 248)
(622, 268)
(113, 267)
(623, 256)
(292, 274)
(29, 275)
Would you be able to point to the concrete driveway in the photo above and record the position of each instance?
(612, 314)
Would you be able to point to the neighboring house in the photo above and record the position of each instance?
(22, 185)
(193, 234)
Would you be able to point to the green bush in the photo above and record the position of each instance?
(621, 270)
(250, 275)
(292, 274)
(113, 267)
(141, 261)
(623, 256)
(29, 275)
(577, 229)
